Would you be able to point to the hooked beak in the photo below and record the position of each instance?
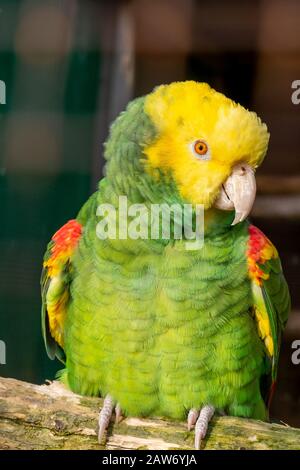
(238, 192)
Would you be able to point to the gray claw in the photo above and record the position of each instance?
(118, 412)
(105, 416)
(205, 416)
(192, 418)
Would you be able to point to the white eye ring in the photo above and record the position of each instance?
(200, 149)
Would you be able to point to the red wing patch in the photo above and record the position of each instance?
(56, 284)
(260, 250)
(64, 242)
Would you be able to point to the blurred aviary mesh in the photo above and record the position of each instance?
(58, 87)
(70, 66)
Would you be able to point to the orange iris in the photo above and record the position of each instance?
(200, 147)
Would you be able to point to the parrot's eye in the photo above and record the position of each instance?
(200, 149)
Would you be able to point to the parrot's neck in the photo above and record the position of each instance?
(217, 221)
(135, 222)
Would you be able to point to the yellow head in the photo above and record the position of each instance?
(202, 138)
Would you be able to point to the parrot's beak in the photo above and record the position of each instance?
(238, 192)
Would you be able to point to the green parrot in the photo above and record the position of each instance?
(155, 325)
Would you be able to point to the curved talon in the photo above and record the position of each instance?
(192, 418)
(205, 416)
(105, 416)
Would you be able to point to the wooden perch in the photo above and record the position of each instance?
(51, 417)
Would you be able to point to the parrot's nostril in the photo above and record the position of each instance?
(241, 170)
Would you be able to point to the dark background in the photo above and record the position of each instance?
(69, 67)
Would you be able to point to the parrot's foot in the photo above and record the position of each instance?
(105, 416)
(200, 420)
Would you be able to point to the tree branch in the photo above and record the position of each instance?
(51, 417)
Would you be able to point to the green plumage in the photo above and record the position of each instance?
(159, 328)
(166, 330)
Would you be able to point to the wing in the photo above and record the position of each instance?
(271, 299)
(57, 277)
(55, 283)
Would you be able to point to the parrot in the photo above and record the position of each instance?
(148, 324)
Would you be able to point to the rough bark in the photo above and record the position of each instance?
(51, 417)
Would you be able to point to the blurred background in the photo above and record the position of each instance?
(70, 67)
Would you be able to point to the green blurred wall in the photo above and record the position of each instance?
(51, 62)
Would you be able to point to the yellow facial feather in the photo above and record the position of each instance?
(184, 112)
